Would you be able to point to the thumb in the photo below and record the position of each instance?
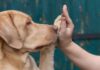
(65, 11)
(66, 15)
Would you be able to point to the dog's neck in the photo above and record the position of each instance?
(12, 56)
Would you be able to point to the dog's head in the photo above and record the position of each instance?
(19, 31)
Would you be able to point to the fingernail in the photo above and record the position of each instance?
(65, 7)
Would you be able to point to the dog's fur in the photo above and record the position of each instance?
(19, 35)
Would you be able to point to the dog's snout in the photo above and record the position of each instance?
(53, 27)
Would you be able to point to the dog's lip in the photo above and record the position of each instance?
(39, 48)
(42, 46)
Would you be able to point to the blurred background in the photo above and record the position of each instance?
(84, 13)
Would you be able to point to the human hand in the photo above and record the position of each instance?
(65, 28)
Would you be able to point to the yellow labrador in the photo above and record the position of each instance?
(19, 35)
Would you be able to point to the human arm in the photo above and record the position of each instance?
(83, 59)
(79, 56)
(47, 58)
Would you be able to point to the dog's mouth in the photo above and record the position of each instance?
(39, 48)
(42, 47)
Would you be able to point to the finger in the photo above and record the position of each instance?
(65, 12)
(63, 18)
(66, 15)
(55, 27)
(62, 29)
(63, 24)
(58, 21)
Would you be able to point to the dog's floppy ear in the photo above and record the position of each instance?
(20, 21)
(8, 31)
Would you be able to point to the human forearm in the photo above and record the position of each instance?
(47, 58)
(80, 57)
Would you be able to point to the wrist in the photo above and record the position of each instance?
(66, 45)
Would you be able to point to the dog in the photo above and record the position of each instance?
(19, 36)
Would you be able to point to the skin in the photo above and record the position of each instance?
(83, 59)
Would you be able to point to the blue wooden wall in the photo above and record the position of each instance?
(84, 13)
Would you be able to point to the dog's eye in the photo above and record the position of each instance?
(28, 23)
